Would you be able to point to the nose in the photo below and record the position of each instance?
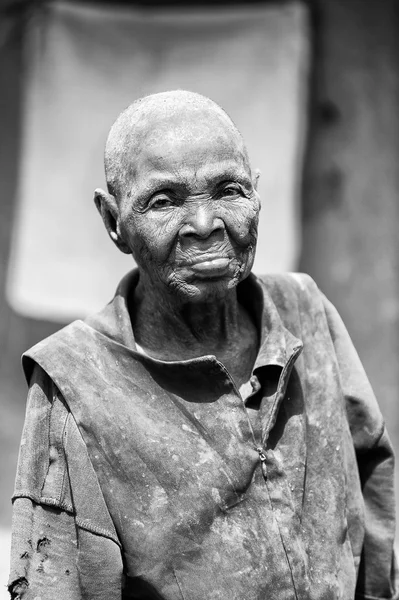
(201, 221)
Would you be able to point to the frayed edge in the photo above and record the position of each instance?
(18, 588)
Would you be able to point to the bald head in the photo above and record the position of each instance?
(178, 116)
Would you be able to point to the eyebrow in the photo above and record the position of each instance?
(239, 176)
(220, 175)
(159, 183)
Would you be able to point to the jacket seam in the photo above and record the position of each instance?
(55, 441)
(305, 414)
(61, 448)
(65, 470)
(43, 500)
(48, 427)
(359, 596)
(82, 523)
(178, 584)
(378, 439)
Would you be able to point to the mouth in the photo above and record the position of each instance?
(210, 266)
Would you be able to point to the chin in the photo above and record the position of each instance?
(208, 291)
(205, 290)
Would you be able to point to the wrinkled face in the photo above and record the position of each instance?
(190, 211)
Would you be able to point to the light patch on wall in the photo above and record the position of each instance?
(86, 65)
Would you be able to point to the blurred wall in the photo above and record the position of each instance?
(16, 332)
(350, 194)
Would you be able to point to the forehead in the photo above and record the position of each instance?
(200, 148)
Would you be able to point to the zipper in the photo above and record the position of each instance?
(259, 449)
(282, 385)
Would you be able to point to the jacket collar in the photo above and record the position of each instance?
(277, 344)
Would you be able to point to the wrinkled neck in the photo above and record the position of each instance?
(168, 327)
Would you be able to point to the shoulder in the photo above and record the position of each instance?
(72, 344)
(58, 348)
(291, 291)
(300, 303)
(298, 283)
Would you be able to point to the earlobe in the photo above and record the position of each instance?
(108, 209)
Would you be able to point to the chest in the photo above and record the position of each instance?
(183, 480)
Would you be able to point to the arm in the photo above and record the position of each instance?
(378, 576)
(63, 542)
(44, 552)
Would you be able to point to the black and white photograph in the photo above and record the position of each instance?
(199, 299)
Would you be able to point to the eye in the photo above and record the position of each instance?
(230, 191)
(160, 202)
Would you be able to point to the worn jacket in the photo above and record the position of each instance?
(140, 478)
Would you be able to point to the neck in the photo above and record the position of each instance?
(171, 329)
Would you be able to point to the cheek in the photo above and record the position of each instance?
(241, 221)
(151, 238)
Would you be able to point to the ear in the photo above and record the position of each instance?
(108, 209)
(255, 180)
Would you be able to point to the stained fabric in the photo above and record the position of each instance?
(175, 492)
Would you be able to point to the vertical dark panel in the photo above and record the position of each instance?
(351, 181)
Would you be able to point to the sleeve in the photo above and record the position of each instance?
(64, 544)
(378, 573)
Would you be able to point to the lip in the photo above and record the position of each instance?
(205, 257)
(211, 266)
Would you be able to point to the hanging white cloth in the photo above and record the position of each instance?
(86, 64)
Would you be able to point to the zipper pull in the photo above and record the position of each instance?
(262, 456)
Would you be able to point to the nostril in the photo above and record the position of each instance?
(201, 227)
(187, 230)
(191, 238)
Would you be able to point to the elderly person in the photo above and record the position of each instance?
(209, 434)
